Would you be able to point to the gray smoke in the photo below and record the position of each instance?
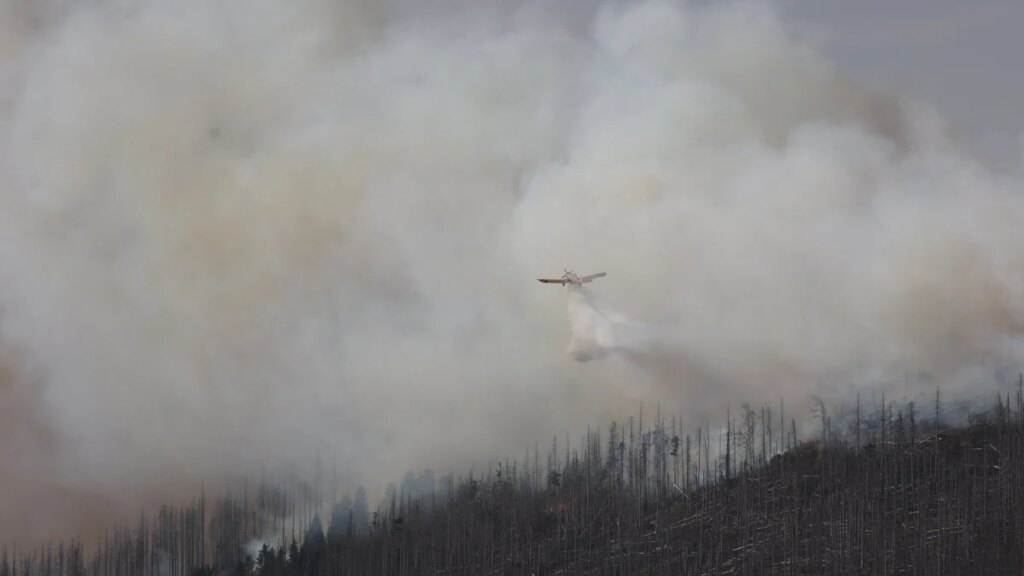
(243, 234)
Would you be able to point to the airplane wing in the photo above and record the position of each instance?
(552, 280)
(591, 277)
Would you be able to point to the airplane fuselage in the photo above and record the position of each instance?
(570, 278)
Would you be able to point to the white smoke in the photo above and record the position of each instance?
(595, 334)
(245, 233)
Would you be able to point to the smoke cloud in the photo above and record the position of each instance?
(245, 234)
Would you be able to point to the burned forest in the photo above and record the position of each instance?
(891, 491)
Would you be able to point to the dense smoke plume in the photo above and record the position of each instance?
(241, 234)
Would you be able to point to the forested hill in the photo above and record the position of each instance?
(889, 496)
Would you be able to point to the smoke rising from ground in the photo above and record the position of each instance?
(242, 234)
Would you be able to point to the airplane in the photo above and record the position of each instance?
(572, 279)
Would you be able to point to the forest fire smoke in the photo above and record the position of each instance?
(248, 233)
(595, 333)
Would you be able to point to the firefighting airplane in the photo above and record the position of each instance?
(572, 279)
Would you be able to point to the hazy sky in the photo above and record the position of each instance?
(962, 57)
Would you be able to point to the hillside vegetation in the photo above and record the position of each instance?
(889, 494)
